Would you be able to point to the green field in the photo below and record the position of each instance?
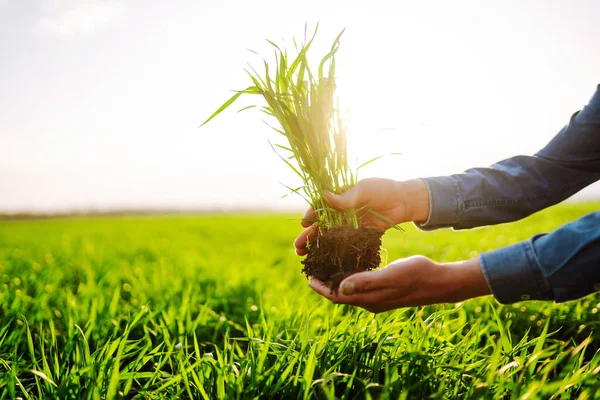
(214, 306)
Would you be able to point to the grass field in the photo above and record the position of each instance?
(214, 306)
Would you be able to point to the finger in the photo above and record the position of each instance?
(365, 300)
(301, 252)
(319, 286)
(352, 198)
(325, 291)
(363, 282)
(305, 237)
(309, 218)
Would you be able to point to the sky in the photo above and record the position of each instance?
(100, 101)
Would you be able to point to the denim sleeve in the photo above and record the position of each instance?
(562, 265)
(519, 186)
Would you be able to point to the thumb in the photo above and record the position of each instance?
(359, 283)
(345, 201)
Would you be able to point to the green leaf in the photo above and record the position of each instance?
(284, 148)
(223, 107)
(330, 55)
(369, 162)
(288, 163)
(43, 376)
(385, 220)
(245, 108)
(504, 338)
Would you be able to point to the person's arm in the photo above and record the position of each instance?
(519, 186)
(560, 266)
(409, 282)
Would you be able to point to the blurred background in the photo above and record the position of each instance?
(100, 101)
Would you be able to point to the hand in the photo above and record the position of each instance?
(395, 200)
(409, 282)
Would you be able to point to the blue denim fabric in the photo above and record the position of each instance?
(560, 266)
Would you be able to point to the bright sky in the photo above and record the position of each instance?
(100, 100)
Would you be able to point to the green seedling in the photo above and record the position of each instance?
(306, 110)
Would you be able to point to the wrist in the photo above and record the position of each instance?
(416, 199)
(448, 282)
(464, 280)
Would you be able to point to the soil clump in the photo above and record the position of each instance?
(340, 252)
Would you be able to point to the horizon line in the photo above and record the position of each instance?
(6, 215)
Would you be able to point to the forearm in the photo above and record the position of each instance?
(448, 283)
(461, 281)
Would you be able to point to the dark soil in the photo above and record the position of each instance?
(341, 252)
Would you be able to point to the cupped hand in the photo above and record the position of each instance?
(395, 201)
(408, 282)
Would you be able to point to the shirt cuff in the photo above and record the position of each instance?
(445, 203)
(513, 274)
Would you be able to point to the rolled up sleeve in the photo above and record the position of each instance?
(513, 274)
(445, 203)
(562, 265)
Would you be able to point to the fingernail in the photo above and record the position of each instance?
(347, 288)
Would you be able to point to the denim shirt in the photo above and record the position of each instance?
(561, 265)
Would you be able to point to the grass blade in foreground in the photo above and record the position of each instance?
(196, 322)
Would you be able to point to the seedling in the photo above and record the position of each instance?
(307, 114)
